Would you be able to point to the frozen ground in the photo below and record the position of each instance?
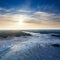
(35, 47)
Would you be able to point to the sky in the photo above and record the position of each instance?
(29, 14)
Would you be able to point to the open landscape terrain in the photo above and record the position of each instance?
(29, 46)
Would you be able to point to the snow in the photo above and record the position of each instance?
(35, 47)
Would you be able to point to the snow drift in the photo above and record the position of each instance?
(35, 46)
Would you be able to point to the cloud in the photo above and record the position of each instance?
(6, 10)
(24, 11)
(47, 16)
(36, 17)
(15, 11)
(35, 20)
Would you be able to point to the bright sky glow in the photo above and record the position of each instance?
(29, 14)
(21, 20)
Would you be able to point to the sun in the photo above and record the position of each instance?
(21, 20)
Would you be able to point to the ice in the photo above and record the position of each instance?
(35, 47)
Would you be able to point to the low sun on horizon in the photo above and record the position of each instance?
(29, 14)
(21, 20)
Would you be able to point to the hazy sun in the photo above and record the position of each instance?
(21, 20)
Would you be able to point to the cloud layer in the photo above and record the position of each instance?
(37, 18)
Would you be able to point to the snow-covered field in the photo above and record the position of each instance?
(35, 47)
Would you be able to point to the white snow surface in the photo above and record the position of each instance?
(35, 47)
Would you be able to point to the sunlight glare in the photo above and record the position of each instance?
(21, 20)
